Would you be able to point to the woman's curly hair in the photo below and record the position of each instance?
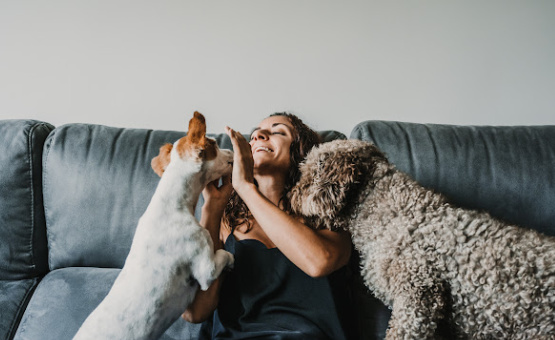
(237, 213)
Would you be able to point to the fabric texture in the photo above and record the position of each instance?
(97, 184)
(22, 229)
(64, 299)
(505, 170)
(23, 248)
(14, 296)
(265, 296)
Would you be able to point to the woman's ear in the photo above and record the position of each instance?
(160, 162)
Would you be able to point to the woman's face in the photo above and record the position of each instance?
(270, 143)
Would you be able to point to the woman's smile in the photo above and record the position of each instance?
(262, 149)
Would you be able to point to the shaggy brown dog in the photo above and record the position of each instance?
(425, 258)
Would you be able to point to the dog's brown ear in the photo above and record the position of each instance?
(326, 179)
(160, 162)
(197, 128)
(331, 178)
(336, 175)
(195, 142)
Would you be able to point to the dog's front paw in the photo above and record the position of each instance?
(227, 258)
(230, 262)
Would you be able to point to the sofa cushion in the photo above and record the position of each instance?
(14, 296)
(97, 183)
(505, 170)
(22, 227)
(64, 299)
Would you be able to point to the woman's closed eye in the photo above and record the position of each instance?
(273, 133)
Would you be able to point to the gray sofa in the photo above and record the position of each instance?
(70, 198)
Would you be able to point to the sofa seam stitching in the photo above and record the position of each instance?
(33, 194)
(31, 140)
(17, 321)
(45, 155)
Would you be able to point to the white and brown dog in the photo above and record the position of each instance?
(170, 252)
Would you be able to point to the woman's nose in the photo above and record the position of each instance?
(259, 135)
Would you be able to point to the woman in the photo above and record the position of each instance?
(280, 287)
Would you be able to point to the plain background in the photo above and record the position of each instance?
(150, 64)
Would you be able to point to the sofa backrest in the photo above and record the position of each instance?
(97, 184)
(508, 171)
(22, 226)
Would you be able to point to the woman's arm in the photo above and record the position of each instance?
(316, 252)
(205, 302)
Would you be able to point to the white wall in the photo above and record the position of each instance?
(150, 64)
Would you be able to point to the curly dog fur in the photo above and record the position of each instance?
(425, 258)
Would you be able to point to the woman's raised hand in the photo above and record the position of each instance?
(243, 163)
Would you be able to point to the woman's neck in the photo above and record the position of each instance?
(271, 187)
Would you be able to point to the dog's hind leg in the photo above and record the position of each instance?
(415, 314)
(418, 299)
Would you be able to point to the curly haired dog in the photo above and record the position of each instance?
(425, 258)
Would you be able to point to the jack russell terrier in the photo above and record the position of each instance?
(170, 252)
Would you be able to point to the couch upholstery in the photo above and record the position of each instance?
(71, 196)
(23, 250)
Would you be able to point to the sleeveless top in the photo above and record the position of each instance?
(265, 296)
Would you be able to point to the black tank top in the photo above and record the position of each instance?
(265, 296)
